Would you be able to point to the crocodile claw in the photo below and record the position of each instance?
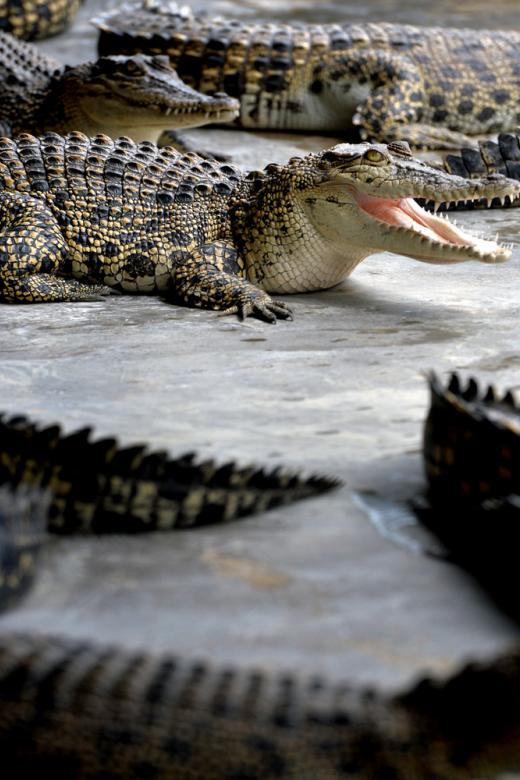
(261, 306)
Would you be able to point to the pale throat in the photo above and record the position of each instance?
(298, 256)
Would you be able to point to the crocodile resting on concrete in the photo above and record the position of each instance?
(82, 711)
(138, 96)
(32, 19)
(80, 215)
(431, 87)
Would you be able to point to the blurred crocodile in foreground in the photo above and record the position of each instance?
(86, 710)
(83, 215)
(432, 87)
(138, 96)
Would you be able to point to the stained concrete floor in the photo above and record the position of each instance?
(341, 390)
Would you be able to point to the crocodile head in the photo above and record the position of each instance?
(140, 96)
(365, 193)
(325, 212)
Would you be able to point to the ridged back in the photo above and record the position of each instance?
(76, 167)
(99, 487)
(471, 443)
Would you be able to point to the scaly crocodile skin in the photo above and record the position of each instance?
(138, 96)
(32, 19)
(77, 213)
(502, 157)
(472, 461)
(471, 444)
(80, 711)
(101, 488)
(432, 87)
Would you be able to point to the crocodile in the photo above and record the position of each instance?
(432, 87)
(471, 449)
(83, 710)
(471, 444)
(35, 19)
(80, 216)
(138, 96)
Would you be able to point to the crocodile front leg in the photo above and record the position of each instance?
(210, 277)
(32, 254)
(397, 108)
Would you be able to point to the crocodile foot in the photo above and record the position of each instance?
(261, 305)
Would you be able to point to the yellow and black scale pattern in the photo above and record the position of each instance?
(432, 87)
(33, 19)
(81, 215)
(99, 487)
(82, 711)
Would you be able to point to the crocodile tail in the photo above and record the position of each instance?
(99, 487)
(23, 517)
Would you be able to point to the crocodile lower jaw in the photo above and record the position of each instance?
(434, 232)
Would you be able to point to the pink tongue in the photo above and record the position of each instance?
(389, 211)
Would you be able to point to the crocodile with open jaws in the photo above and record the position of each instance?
(32, 19)
(429, 86)
(81, 215)
(139, 96)
(84, 710)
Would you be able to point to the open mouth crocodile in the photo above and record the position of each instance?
(138, 96)
(431, 87)
(80, 215)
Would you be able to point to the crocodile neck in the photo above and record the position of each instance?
(286, 251)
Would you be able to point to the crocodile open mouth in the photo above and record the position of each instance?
(406, 214)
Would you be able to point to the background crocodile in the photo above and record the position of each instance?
(30, 19)
(430, 86)
(138, 96)
(501, 156)
(79, 213)
(86, 710)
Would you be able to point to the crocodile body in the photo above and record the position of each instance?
(431, 87)
(472, 461)
(79, 213)
(471, 444)
(32, 19)
(82, 711)
(138, 96)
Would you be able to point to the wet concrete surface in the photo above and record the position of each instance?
(341, 390)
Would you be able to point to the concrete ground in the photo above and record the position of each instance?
(341, 390)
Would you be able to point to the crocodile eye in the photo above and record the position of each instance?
(375, 156)
(133, 68)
